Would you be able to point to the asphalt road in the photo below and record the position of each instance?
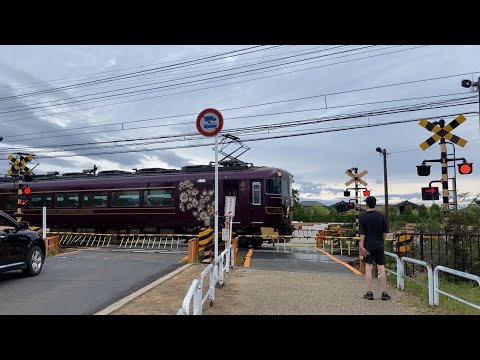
(82, 283)
(268, 259)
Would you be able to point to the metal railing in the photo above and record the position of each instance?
(429, 271)
(131, 241)
(457, 251)
(437, 291)
(433, 279)
(215, 272)
(399, 271)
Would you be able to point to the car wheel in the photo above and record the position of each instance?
(34, 262)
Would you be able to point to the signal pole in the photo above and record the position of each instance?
(468, 84)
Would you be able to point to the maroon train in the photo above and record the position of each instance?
(157, 200)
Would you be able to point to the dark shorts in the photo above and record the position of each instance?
(376, 255)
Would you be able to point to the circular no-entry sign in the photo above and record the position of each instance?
(209, 122)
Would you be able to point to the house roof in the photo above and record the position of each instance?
(309, 203)
(405, 203)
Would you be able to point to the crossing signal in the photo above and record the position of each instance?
(346, 193)
(465, 168)
(423, 170)
(350, 205)
(24, 192)
(366, 192)
(430, 193)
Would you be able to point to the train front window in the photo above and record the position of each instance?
(286, 188)
(97, 199)
(161, 197)
(273, 186)
(40, 200)
(125, 198)
(66, 200)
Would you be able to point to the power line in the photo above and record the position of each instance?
(230, 118)
(271, 127)
(254, 139)
(241, 107)
(101, 73)
(212, 87)
(138, 73)
(71, 100)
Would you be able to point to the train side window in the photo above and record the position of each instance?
(40, 200)
(66, 200)
(256, 193)
(125, 198)
(160, 197)
(8, 202)
(95, 200)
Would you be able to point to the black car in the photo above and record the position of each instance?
(20, 248)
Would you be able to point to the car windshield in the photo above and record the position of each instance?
(6, 220)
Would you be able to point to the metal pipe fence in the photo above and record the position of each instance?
(215, 272)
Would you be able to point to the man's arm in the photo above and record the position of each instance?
(362, 247)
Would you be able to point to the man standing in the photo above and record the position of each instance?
(373, 231)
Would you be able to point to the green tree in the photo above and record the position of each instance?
(408, 210)
(320, 213)
(423, 212)
(434, 213)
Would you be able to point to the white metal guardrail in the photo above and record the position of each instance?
(399, 271)
(429, 272)
(433, 281)
(437, 291)
(215, 271)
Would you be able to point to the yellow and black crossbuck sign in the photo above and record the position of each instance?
(442, 132)
(17, 164)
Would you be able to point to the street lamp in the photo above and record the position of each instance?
(385, 183)
(470, 84)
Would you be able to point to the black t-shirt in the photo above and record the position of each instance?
(372, 224)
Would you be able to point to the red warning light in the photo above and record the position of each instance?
(27, 191)
(465, 168)
(366, 193)
(23, 203)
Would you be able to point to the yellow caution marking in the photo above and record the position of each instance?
(246, 263)
(340, 262)
(70, 252)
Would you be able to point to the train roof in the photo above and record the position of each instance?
(225, 168)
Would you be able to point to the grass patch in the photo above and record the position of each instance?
(417, 296)
(51, 252)
(240, 260)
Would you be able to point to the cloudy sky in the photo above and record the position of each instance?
(314, 111)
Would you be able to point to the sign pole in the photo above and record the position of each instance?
(210, 123)
(216, 198)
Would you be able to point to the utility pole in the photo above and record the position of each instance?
(385, 187)
(385, 181)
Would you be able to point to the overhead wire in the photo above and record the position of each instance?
(208, 87)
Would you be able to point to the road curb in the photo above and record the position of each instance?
(115, 306)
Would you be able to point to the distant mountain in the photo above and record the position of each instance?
(311, 203)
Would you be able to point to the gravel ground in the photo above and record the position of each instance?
(265, 292)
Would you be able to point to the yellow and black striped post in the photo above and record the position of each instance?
(205, 242)
(19, 198)
(443, 163)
